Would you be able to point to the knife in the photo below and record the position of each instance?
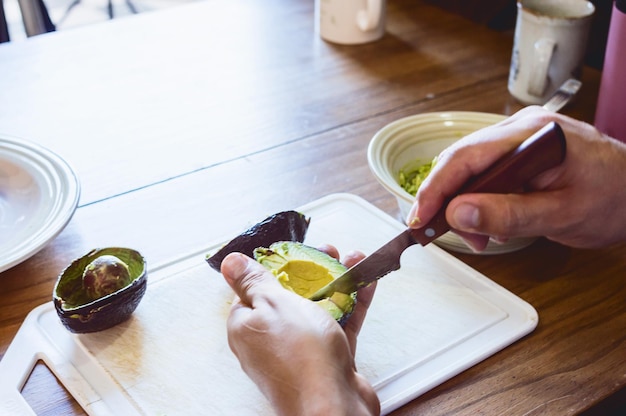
(543, 150)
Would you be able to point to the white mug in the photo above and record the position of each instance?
(350, 22)
(549, 46)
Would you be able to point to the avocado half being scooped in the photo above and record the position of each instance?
(100, 289)
(304, 270)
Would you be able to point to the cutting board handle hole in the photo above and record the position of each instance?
(41, 378)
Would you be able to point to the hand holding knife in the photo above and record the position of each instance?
(543, 150)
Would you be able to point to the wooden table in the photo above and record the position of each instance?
(185, 125)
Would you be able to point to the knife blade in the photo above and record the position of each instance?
(543, 150)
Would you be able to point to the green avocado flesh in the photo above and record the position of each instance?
(410, 177)
(304, 270)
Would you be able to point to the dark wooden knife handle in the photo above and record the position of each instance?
(543, 150)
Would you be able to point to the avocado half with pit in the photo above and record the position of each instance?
(304, 270)
(100, 289)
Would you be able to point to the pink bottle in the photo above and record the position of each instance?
(611, 109)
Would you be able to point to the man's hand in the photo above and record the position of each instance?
(294, 351)
(580, 203)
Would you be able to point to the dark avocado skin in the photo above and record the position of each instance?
(283, 226)
(105, 312)
(81, 315)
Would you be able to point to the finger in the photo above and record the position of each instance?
(368, 394)
(469, 157)
(353, 258)
(330, 250)
(476, 242)
(354, 323)
(257, 293)
(349, 260)
(455, 166)
(248, 278)
(506, 216)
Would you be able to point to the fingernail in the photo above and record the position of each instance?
(499, 240)
(472, 246)
(412, 219)
(467, 217)
(233, 264)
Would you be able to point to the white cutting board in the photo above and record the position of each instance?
(430, 320)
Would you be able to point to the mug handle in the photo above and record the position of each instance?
(369, 18)
(539, 74)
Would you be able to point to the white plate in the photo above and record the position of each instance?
(430, 320)
(38, 195)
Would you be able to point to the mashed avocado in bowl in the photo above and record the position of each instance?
(412, 175)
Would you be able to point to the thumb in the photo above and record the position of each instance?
(501, 215)
(247, 277)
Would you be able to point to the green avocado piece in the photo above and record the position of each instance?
(84, 306)
(304, 270)
(411, 176)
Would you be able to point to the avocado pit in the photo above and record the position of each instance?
(105, 275)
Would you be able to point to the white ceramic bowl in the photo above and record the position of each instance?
(417, 140)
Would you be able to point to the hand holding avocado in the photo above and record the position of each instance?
(579, 203)
(295, 351)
